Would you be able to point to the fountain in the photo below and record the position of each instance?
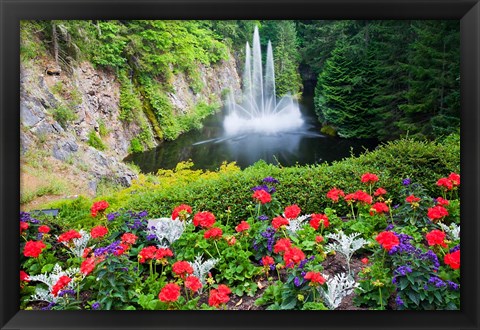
(259, 110)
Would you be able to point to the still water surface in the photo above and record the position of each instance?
(208, 147)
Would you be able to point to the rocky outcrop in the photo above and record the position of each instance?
(93, 96)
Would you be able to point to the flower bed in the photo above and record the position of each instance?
(390, 252)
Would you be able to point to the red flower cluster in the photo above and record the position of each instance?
(364, 261)
(387, 240)
(380, 207)
(44, 229)
(88, 265)
(279, 222)
(24, 277)
(193, 283)
(181, 211)
(147, 253)
(452, 259)
(99, 206)
(437, 212)
(442, 201)
(412, 199)
(33, 248)
(293, 256)
(129, 238)
(242, 226)
(334, 194)
(282, 245)
(359, 196)
(86, 252)
(315, 278)
(379, 192)
(169, 293)
(61, 283)
(23, 226)
(219, 295)
(319, 219)
(98, 232)
(213, 233)
(369, 178)
(436, 237)
(182, 268)
(267, 261)
(204, 219)
(163, 253)
(69, 235)
(263, 196)
(292, 211)
(452, 181)
(319, 239)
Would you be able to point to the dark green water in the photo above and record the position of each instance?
(307, 146)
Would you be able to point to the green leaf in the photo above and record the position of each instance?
(413, 297)
(47, 268)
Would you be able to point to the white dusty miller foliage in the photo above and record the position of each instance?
(296, 224)
(346, 244)
(166, 230)
(79, 244)
(50, 280)
(453, 231)
(201, 268)
(338, 287)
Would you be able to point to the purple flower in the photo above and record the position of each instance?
(304, 262)
(112, 216)
(406, 181)
(297, 281)
(403, 270)
(110, 249)
(66, 292)
(263, 217)
(437, 282)
(24, 216)
(264, 187)
(453, 286)
(143, 214)
(389, 227)
(396, 206)
(455, 248)
(49, 307)
(269, 234)
(399, 301)
(39, 236)
(96, 305)
(151, 237)
(269, 179)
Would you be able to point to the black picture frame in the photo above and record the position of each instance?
(12, 11)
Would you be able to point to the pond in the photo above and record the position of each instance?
(208, 147)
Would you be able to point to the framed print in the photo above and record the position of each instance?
(239, 164)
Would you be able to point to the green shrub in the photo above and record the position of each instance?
(95, 141)
(135, 146)
(102, 128)
(63, 115)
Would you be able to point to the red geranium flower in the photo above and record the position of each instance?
(33, 248)
(129, 238)
(334, 194)
(219, 296)
(364, 261)
(379, 192)
(437, 212)
(98, 232)
(445, 183)
(369, 178)
(442, 201)
(193, 283)
(43, 229)
(319, 239)
(86, 252)
(121, 249)
(412, 199)
(292, 211)
(267, 261)
(363, 197)
(452, 259)
(380, 207)
(263, 196)
(61, 283)
(213, 233)
(181, 211)
(147, 253)
(279, 222)
(169, 293)
(24, 276)
(387, 239)
(318, 219)
(88, 265)
(182, 268)
(242, 226)
(163, 253)
(293, 256)
(315, 278)
(99, 206)
(436, 237)
(204, 219)
(69, 235)
(455, 178)
(282, 245)
(23, 226)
